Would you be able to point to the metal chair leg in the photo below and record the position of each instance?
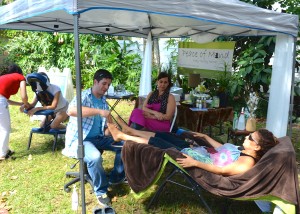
(54, 143)
(29, 140)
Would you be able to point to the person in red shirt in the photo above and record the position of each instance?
(10, 83)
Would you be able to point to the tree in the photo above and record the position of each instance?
(32, 50)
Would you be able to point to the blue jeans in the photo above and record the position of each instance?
(94, 160)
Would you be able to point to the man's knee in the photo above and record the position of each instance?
(93, 157)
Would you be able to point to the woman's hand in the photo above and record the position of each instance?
(186, 162)
(22, 108)
(31, 112)
(25, 106)
(149, 115)
(159, 115)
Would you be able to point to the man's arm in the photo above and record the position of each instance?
(88, 112)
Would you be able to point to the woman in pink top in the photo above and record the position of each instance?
(158, 109)
(10, 83)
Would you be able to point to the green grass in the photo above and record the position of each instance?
(33, 181)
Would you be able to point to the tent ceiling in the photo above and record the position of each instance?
(161, 25)
(136, 18)
(201, 19)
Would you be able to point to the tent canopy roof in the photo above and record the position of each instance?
(135, 18)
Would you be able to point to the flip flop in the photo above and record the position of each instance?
(104, 210)
(8, 155)
(10, 152)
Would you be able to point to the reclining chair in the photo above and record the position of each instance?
(274, 177)
(45, 98)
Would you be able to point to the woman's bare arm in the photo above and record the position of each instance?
(24, 96)
(211, 141)
(170, 108)
(49, 107)
(242, 165)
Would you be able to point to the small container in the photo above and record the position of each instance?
(234, 122)
(111, 90)
(204, 104)
(216, 101)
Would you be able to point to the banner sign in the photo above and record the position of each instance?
(209, 59)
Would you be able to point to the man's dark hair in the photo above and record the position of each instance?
(101, 74)
(14, 68)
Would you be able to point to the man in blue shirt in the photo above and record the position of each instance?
(96, 136)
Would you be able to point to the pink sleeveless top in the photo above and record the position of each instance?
(151, 124)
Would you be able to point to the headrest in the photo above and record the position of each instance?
(34, 78)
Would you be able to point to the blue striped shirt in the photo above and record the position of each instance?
(71, 142)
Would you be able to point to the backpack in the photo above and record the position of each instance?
(44, 96)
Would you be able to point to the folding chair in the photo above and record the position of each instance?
(45, 98)
(45, 129)
(173, 120)
(189, 183)
(273, 178)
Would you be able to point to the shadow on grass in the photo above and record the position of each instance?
(183, 200)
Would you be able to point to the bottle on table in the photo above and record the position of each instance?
(204, 103)
(197, 103)
(235, 120)
(200, 104)
(241, 122)
(74, 199)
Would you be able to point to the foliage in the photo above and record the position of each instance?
(181, 79)
(32, 50)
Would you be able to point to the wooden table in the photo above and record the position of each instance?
(237, 136)
(198, 120)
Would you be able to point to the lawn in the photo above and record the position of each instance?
(32, 181)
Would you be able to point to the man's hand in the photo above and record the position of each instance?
(104, 113)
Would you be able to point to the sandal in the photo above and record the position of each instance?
(10, 152)
(8, 155)
(104, 210)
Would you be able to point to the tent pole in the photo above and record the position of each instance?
(292, 92)
(80, 150)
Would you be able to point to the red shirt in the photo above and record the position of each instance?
(10, 84)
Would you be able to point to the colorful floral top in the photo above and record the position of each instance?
(221, 156)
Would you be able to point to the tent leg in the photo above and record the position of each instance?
(292, 94)
(80, 150)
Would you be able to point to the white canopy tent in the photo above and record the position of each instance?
(197, 19)
(191, 18)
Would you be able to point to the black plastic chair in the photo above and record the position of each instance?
(76, 177)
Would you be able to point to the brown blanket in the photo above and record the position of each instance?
(275, 174)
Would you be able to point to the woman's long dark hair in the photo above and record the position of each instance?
(14, 68)
(163, 99)
(266, 141)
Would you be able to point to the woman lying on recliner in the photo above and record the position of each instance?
(225, 159)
